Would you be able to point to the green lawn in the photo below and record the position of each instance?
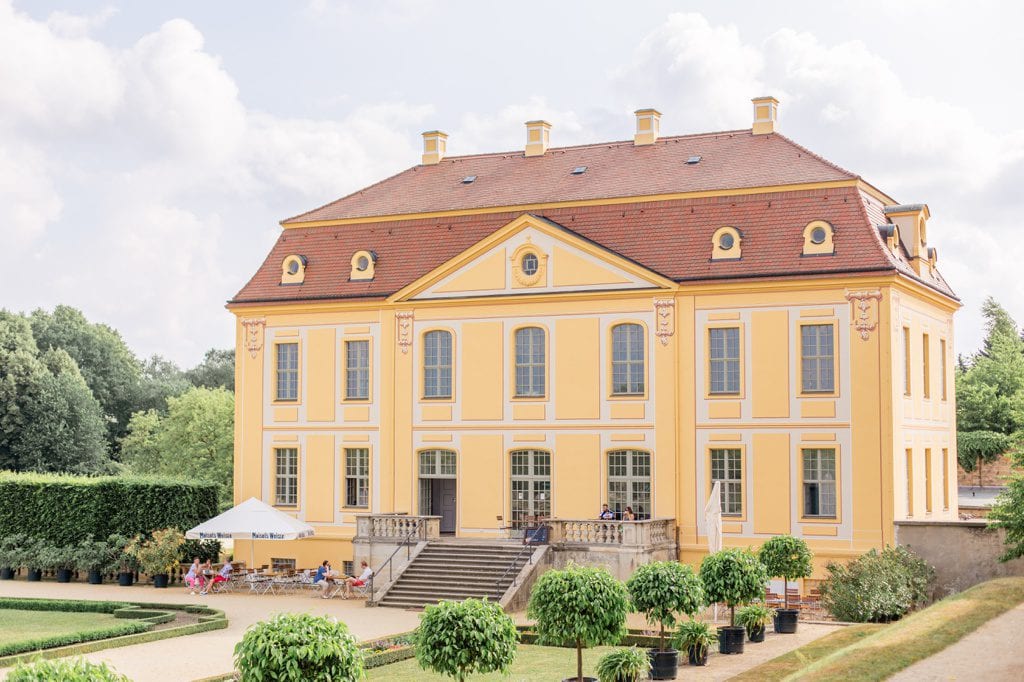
(875, 652)
(19, 626)
(532, 664)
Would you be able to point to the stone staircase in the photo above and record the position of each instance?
(453, 571)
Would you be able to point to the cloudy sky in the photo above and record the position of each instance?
(148, 150)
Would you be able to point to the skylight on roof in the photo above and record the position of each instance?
(468, 180)
(579, 170)
(693, 160)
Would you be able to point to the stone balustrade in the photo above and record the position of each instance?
(649, 533)
(396, 527)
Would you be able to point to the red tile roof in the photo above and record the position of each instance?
(729, 160)
(672, 238)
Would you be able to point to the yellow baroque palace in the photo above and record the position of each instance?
(497, 338)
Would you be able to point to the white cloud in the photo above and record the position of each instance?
(70, 25)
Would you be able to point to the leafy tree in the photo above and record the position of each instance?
(456, 639)
(217, 370)
(1008, 511)
(662, 590)
(109, 367)
(298, 647)
(973, 448)
(733, 577)
(65, 670)
(578, 606)
(195, 439)
(161, 379)
(786, 557)
(49, 419)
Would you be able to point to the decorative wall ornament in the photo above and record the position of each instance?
(863, 321)
(663, 308)
(404, 320)
(254, 334)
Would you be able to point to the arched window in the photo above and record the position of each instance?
(627, 359)
(531, 486)
(437, 364)
(530, 362)
(629, 482)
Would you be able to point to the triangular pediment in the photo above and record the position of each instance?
(532, 255)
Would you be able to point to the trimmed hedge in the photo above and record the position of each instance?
(65, 509)
(126, 628)
(74, 605)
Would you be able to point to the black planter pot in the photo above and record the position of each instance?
(35, 575)
(64, 575)
(95, 577)
(664, 664)
(694, 659)
(6, 574)
(160, 580)
(124, 579)
(785, 621)
(585, 679)
(756, 635)
(730, 639)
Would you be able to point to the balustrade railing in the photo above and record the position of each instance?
(651, 532)
(397, 527)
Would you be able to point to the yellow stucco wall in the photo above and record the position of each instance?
(867, 419)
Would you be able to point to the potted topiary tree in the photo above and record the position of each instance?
(456, 639)
(696, 638)
(122, 551)
(755, 618)
(296, 647)
(159, 554)
(38, 555)
(93, 557)
(789, 558)
(62, 560)
(661, 591)
(12, 555)
(623, 665)
(732, 577)
(581, 607)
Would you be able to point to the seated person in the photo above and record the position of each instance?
(194, 577)
(222, 577)
(628, 515)
(363, 578)
(323, 578)
(606, 513)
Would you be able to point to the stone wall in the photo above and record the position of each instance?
(964, 553)
(993, 474)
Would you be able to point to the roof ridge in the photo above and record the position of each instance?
(295, 218)
(817, 156)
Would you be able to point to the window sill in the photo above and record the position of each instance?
(820, 519)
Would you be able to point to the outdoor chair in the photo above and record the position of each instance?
(363, 591)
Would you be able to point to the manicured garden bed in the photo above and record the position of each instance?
(52, 627)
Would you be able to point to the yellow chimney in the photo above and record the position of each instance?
(648, 126)
(766, 114)
(538, 135)
(435, 144)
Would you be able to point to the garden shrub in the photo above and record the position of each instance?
(662, 590)
(456, 639)
(65, 509)
(298, 647)
(877, 587)
(733, 577)
(130, 627)
(64, 670)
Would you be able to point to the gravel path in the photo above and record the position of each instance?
(990, 653)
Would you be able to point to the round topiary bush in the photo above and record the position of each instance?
(298, 647)
(733, 577)
(64, 670)
(579, 607)
(457, 639)
(664, 589)
(786, 557)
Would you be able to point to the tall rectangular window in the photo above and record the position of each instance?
(943, 367)
(629, 482)
(530, 362)
(627, 359)
(287, 371)
(727, 469)
(910, 482)
(817, 358)
(945, 479)
(724, 360)
(906, 361)
(819, 469)
(357, 477)
(928, 480)
(926, 368)
(437, 364)
(286, 477)
(357, 370)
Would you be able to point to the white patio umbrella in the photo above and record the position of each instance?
(251, 520)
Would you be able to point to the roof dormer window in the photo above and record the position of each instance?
(818, 239)
(293, 269)
(363, 263)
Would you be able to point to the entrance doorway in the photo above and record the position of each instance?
(439, 487)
